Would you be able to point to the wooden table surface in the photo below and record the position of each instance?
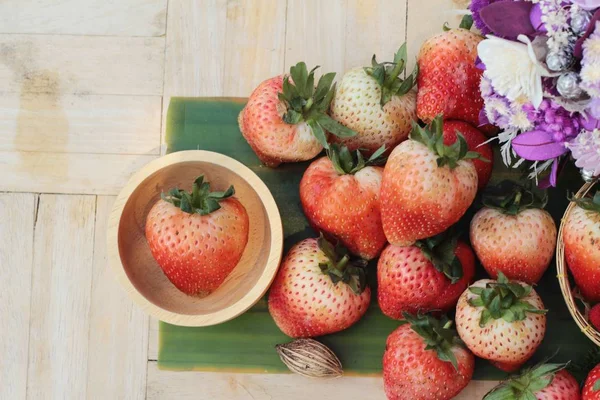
(85, 85)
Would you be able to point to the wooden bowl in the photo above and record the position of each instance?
(568, 292)
(129, 254)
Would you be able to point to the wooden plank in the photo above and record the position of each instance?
(60, 303)
(153, 339)
(195, 50)
(67, 173)
(316, 34)
(118, 342)
(419, 31)
(254, 44)
(84, 17)
(81, 64)
(375, 28)
(16, 260)
(227, 386)
(48, 122)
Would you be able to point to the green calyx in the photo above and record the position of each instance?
(465, 23)
(305, 103)
(589, 203)
(200, 201)
(387, 75)
(510, 198)
(432, 136)
(525, 385)
(437, 334)
(346, 162)
(340, 267)
(440, 250)
(503, 299)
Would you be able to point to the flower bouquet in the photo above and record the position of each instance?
(541, 82)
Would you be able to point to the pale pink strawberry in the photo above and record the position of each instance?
(501, 321)
(377, 104)
(340, 196)
(541, 382)
(285, 119)
(317, 290)
(424, 360)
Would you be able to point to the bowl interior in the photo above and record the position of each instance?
(144, 272)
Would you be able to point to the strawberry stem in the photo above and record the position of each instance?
(340, 267)
(511, 198)
(346, 162)
(200, 200)
(440, 251)
(526, 384)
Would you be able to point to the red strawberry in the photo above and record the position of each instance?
(501, 321)
(594, 317)
(448, 78)
(197, 238)
(340, 196)
(285, 121)
(581, 235)
(430, 275)
(541, 382)
(426, 186)
(591, 387)
(377, 104)
(513, 234)
(424, 360)
(475, 142)
(317, 290)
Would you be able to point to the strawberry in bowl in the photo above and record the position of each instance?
(197, 237)
(501, 321)
(340, 197)
(285, 119)
(376, 103)
(318, 290)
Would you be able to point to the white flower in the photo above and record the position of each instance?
(519, 120)
(585, 149)
(513, 68)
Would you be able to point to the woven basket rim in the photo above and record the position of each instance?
(563, 272)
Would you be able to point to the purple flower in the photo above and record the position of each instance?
(475, 7)
(587, 4)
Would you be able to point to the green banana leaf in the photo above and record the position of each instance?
(247, 342)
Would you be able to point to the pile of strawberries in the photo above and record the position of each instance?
(393, 189)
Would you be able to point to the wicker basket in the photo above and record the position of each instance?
(563, 274)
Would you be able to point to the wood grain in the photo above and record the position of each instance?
(81, 64)
(374, 28)
(195, 50)
(254, 44)
(84, 17)
(316, 34)
(153, 339)
(16, 261)
(227, 386)
(118, 341)
(67, 173)
(49, 122)
(60, 303)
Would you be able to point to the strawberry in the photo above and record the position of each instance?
(426, 185)
(376, 103)
(541, 382)
(285, 121)
(475, 142)
(430, 275)
(448, 78)
(501, 321)
(318, 290)
(591, 387)
(513, 234)
(197, 238)
(340, 196)
(594, 317)
(425, 360)
(581, 236)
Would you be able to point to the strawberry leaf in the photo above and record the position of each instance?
(334, 127)
(526, 384)
(512, 198)
(200, 200)
(440, 250)
(589, 203)
(596, 386)
(340, 268)
(466, 22)
(319, 133)
(346, 162)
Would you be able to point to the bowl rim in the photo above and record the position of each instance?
(275, 249)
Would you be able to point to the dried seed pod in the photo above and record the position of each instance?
(310, 358)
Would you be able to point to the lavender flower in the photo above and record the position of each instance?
(590, 64)
(585, 149)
